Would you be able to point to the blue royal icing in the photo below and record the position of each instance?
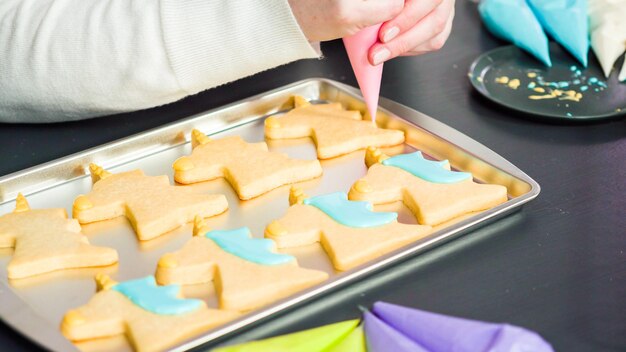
(161, 300)
(350, 213)
(566, 21)
(239, 242)
(429, 170)
(513, 20)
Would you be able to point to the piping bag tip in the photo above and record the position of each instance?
(367, 75)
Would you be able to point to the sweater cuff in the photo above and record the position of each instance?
(210, 43)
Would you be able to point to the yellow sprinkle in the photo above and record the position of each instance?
(272, 122)
(362, 186)
(576, 97)
(571, 93)
(531, 74)
(503, 79)
(557, 92)
(168, 261)
(539, 90)
(539, 97)
(275, 228)
(479, 79)
(514, 83)
(183, 164)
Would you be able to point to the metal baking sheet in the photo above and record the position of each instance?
(35, 306)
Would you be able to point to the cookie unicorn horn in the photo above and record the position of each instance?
(299, 101)
(97, 172)
(199, 226)
(296, 195)
(198, 138)
(21, 204)
(104, 282)
(374, 155)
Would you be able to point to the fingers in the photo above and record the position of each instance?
(429, 34)
(367, 13)
(322, 20)
(435, 43)
(412, 13)
(377, 11)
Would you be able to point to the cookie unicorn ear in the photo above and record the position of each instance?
(21, 204)
(374, 155)
(198, 138)
(98, 173)
(199, 226)
(272, 122)
(361, 186)
(104, 282)
(296, 195)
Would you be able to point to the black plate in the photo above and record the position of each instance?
(602, 99)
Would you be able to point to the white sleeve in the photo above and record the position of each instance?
(65, 60)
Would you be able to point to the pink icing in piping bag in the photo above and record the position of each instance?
(367, 75)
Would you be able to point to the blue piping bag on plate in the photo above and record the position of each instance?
(565, 21)
(514, 21)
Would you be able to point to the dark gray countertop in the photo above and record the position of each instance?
(557, 267)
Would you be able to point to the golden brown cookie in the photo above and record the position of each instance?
(247, 272)
(350, 232)
(46, 240)
(150, 203)
(152, 317)
(432, 203)
(334, 131)
(249, 167)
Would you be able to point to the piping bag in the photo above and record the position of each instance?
(367, 75)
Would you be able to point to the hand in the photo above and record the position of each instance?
(322, 20)
(422, 26)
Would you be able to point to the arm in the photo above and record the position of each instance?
(71, 59)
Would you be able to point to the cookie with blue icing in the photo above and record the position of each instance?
(350, 232)
(248, 272)
(432, 192)
(350, 213)
(153, 318)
